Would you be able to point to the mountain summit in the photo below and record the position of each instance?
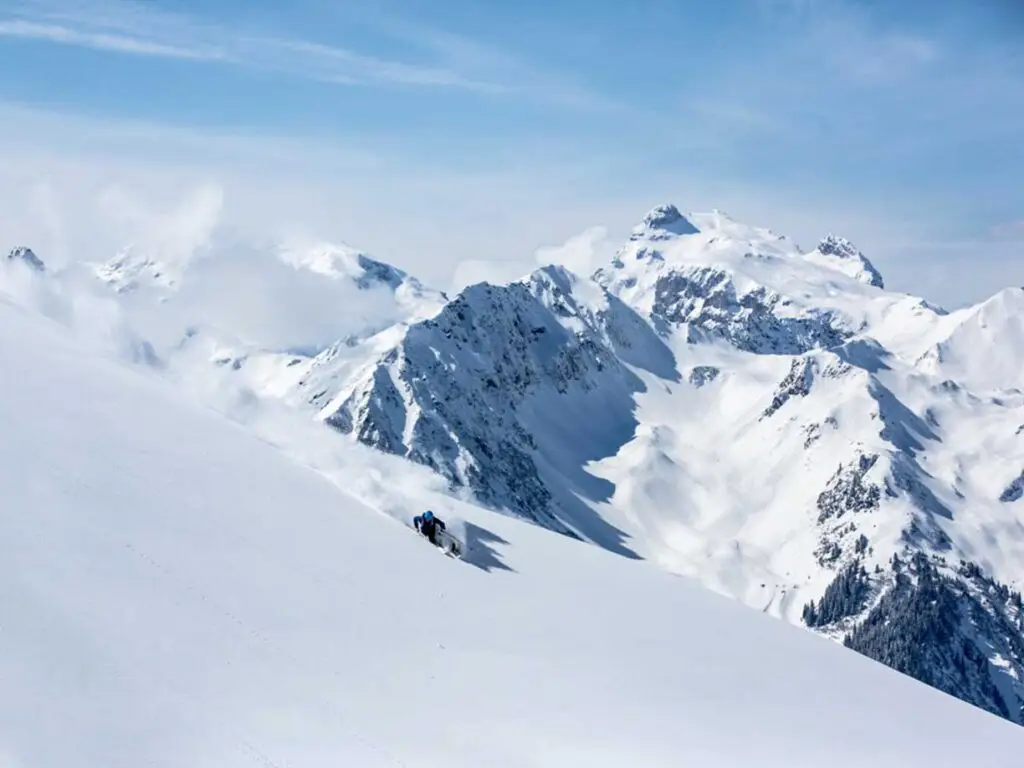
(663, 220)
(844, 256)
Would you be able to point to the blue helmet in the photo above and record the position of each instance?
(428, 515)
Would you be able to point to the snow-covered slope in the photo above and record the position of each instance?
(510, 390)
(178, 592)
(851, 480)
(983, 346)
(766, 420)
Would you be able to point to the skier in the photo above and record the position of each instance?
(427, 524)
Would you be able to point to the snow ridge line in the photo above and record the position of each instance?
(273, 646)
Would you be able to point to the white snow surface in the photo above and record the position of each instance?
(178, 591)
(982, 345)
(225, 593)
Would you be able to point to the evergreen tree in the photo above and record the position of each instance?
(845, 596)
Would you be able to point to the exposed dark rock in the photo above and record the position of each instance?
(849, 491)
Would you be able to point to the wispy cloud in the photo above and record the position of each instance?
(102, 41)
(67, 183)
(492, 64)
(844, 36)
(846, 77)
(582, 253)
(813, 117)
(133, 28)
(346, 67)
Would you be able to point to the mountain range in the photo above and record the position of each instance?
(185, 589)
(769, 421)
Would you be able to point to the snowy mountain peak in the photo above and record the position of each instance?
(565, 281)
(728, 281)
(844, 256)
(837, 246)
(380, 272)
(663, 221)
(133, 268)
(339, 261)
(26, 256)
(552, 276)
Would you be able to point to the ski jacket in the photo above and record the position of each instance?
(427, 527)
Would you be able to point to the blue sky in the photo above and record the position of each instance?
(445, 132)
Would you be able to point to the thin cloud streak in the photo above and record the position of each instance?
(507, 72)
(134, 29)
(104, 41)
(340, 65)
(185, 40)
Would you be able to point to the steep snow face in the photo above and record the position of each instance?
(499, 393)
(983, 346)
(770, 493)
(179, 592)
(886, 430)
